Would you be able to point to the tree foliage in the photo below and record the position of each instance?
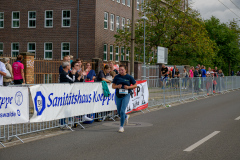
(226, 36)
(183, 33)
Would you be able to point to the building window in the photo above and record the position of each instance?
(117, 22)
(138, 4)
(32, 19)
(1, 20)
(49, 19)
(105, 20)
(1, 49)
(105, 52)
(123, 2)
(15, 49)
(142, 5)
(123, 23)
(66, 18)
(122, 53)
(111, 52)
(47, 78)
(15, 19)
(112, 22)
(32, 48)
(128, 3)
(127, 55)
(65, 49)
(128, 25)
(48, 50)
(118, 1)
(117, 54)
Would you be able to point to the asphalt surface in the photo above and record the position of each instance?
(161, 135)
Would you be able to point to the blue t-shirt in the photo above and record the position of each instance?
(124, 80)
(204, 72)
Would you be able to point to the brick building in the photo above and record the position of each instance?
(52, 29)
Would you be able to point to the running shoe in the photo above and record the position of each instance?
(126, 120)
(121, 130)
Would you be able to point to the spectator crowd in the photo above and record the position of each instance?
(197, 78)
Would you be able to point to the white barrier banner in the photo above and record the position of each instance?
(58, 101)
(139, 98)
(14, 105)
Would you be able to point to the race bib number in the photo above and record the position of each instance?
(123, 91)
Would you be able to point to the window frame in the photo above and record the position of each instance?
(112, 22)
(105, 20)
(30, 51)
(111, 53)
(16, 19)
(68, 18)
(117, 23)
(123, 23)
(117, 53)
(48, 51)
(105, 52)
(129, 3)
(14, 50)
(32, 19)
(127, 54)
(118, 1)
(2, 20)
(123, 2)
(138, 3)
(47, 19)
(48, 77)
(1, 50)
(69, 51)
(122, 53)
(128, 24)
(142, 2)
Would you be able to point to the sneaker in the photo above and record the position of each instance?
(121, 130)
(126, 120)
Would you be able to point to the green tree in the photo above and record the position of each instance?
(226, 36)
(183, 33)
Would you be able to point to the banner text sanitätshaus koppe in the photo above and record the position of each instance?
(78, 98)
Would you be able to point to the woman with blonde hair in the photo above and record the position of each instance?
(7, 80)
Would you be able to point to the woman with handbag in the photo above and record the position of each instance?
(9, 77)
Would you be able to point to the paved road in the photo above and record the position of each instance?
(167, 134)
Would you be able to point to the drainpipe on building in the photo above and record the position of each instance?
(132, 39)
(77, 27)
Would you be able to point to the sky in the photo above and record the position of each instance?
(209, 8)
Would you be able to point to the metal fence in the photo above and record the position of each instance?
(181, 89)
(162, 92)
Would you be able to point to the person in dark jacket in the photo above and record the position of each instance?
(103, 74)
(79, 74)
(64, 77)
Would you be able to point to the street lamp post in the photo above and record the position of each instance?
(144, 63)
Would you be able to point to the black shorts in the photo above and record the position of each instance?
(19, 81)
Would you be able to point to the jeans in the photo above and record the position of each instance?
(184, 81)
(122, 104)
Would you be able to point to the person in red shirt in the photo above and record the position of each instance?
(18, 71)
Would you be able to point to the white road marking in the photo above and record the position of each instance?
(238, 118)
(192, 147)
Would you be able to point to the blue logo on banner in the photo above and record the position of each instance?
(19, 98)
(18, 112)
(40, 103)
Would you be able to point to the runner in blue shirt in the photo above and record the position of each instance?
(122, 83)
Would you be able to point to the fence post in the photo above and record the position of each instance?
(28, 62)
